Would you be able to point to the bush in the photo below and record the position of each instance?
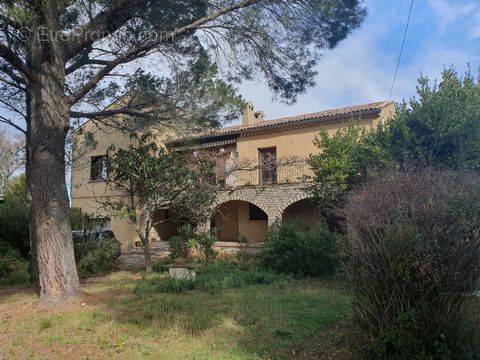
(181, 245)
(214, 277)
(205, 245)
(413, 257)
(291, 250)
(96, 257)
(14, 216)
(187, 245)
(160, 266)
(13, 267)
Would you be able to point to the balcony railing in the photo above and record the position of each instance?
(279, 173)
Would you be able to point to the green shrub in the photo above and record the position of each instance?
(214, 277)
(101, 257)
(160, 266)
(181, 244)
(13, 267)
(413, 257)
(291, 250)
(14, 216)
(205, 244)
(187, 242)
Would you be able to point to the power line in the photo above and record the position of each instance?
(401, 49)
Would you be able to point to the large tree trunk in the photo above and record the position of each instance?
(49, 221)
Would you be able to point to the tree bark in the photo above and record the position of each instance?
(148, 257)
(49, 222)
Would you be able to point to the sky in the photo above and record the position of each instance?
(361, 68)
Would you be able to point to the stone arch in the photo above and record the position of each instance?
(295, 197)
(239, 196)
(304, 210)
(240, 220)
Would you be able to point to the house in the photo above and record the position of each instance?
(260, 163)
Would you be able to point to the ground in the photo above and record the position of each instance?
(306, 319)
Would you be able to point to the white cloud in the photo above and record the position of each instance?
(450, 11)
(454, 13)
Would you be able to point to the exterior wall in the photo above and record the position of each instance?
(294, 143)
(253, 231)
(226, 220)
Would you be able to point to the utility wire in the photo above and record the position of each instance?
(401, 49)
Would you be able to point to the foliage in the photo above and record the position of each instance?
(78, 219)
(13, 267)
(343, 162)
(187, 243)
(413, 257)
(14, 216)
(214, 277)
(440, 127)
(291, 250)
(152, 179)
(182, 244)
(205, 244)
(160, 266)
(95, 258)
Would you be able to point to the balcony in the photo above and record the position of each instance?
(278, 173)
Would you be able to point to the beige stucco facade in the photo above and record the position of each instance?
(239, 149)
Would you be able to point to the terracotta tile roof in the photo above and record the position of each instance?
(311, 119)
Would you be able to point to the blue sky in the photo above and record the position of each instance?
(361, 68)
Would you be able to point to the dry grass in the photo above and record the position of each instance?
(286, 320)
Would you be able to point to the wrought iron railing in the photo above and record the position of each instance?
(278, 173)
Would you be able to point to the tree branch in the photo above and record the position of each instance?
(11, 123)
(82, 62)
(107, 113)
(14, 60)
(139, 50)
(12, 74)
(101, 26)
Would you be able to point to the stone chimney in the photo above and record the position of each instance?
(251, 117)
(259, 116)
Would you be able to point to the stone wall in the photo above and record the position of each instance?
(273, 199)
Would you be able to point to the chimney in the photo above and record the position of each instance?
(251, 117)
(259, 116)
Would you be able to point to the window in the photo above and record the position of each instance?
(267, 163)
(255, 213)
(98, 168)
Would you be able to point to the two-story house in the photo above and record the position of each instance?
(261, 164)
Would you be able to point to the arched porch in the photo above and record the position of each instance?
(240, 221)
(305, 211)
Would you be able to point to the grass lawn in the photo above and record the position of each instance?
(305, 319)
